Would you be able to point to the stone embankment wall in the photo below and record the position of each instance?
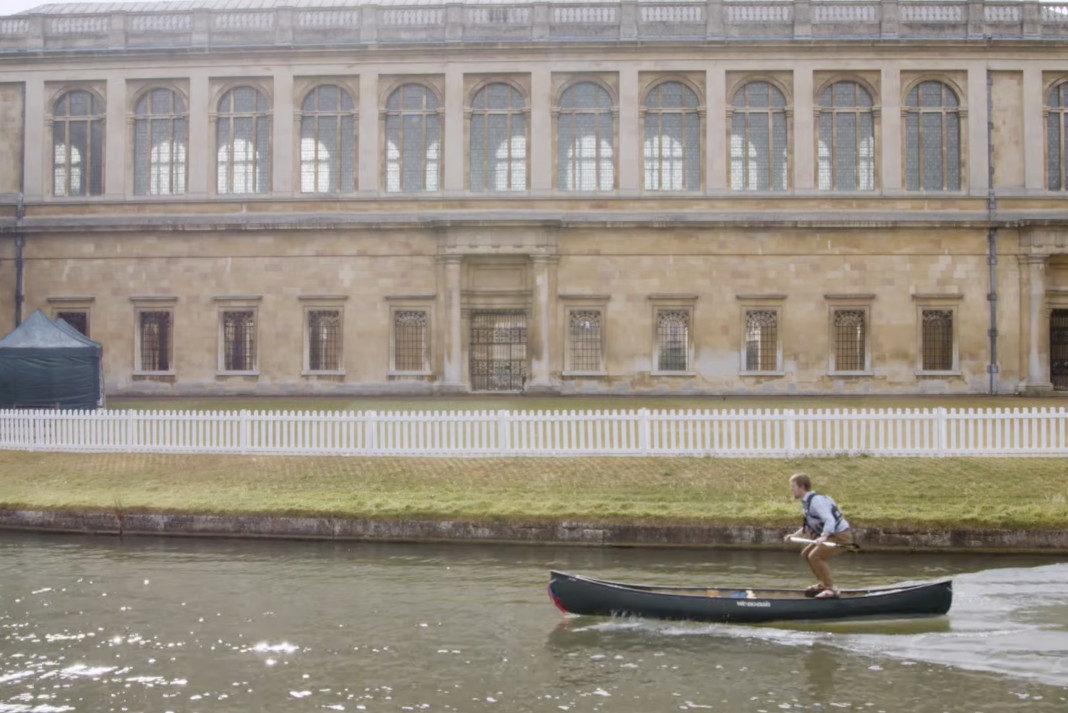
(561, 533)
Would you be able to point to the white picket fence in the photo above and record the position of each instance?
(752, 433)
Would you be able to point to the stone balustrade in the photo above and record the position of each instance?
(348, 23)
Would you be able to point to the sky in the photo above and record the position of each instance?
(10, 7)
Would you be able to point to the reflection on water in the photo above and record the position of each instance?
(97, 624)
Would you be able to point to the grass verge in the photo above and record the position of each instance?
(1027, 493)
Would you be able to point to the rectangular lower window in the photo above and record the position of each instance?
(324, 340)
(154, 331)
(411, 345)
(849, 339)
(238, 336)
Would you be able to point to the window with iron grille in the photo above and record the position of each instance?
(243, 142)
(932, 138)
(846, 128)
(1057, 138)
(937, 340)
(161, 136)
(154, 340)
(758, 139)
(78, 144)
(328, 141)
(79, 319)
(671, 150)
(585, 341)
(585, 139)
(673, 340)
(324, 340)
(413, 140)
(498, 139)
(850, 340)
(411, 345)
(761, 340)
(238, 340)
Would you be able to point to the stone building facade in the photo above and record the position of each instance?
(600, 197)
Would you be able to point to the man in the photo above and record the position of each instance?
(823, 522)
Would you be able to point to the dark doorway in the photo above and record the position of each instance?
(1058, 349)
(498, 350)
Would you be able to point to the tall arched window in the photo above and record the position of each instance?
(413, 140)
(585, 132)
(1057, 138)
(932, 138)
(78, 144)
(846, 138)
(498, 139)
(328, 141)
(161, 138)
(758, 139)
(243, 142)
(671, 146)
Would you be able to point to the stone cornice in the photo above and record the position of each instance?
(347, 23)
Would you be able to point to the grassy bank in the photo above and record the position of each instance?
(936, 493)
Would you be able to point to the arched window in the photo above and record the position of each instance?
(671, 146)
(413, 140)
(327, 141)
(161, 138)
(758, 139)
(585, 157)
(498, 139)
(1057, 138)
(243, 142)
(78, 144)
(846, 156)
(932, 138)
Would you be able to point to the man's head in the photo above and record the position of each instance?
(800, 484)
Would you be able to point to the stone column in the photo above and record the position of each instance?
(368, 133)
(453, 137)
(452, 377)
(541, 322)
(890, 156)
(1034, 132)
(283, 121)
(630, 140)
(542, 149)
(715, 108)
(977, 160)
(201, 142)
(1034, 325)
(804, 164)
(115, 139)
(37, 157)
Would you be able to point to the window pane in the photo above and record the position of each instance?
(761, 340)
(242, 142)
(584, 340)
(324, 340)
(672, 340)
(937, 335)
(239, 341)
(849, 340)
(585, 136)
(410, 345)
(413, 153)
(498, 154)
(672, 143)
(155, 340)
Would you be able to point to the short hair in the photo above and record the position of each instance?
(801, 479)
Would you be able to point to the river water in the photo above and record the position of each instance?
(159, 625)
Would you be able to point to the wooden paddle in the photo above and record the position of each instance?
(806, 541)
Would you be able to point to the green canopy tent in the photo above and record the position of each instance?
(46, 364)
